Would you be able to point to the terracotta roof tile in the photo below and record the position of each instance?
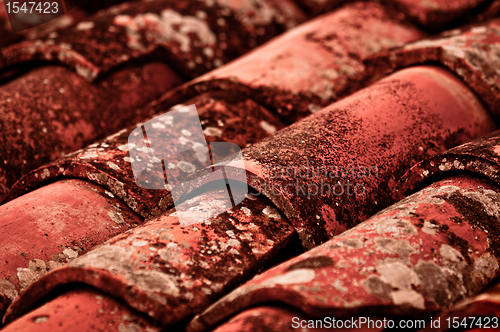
(171, 271)
(469, 52)
(311, 66)
(84, 310)
(485, 308)
(51, 111)
(481, 156)
(108, 162)
(432, 14)
(436, 14)
(357, 149)
(281, 319)
(71, 217)
(280, 103)
(208, 36)
(402, 261)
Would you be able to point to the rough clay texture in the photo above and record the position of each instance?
(193, 36)
(70, 218)
(337, 167)
(471, 53)
(276, 318)
(51, 111)
(319, 6)
(422, 255)
(309, 67)
(431, 14)
(171, 271)
(223, 117)
(83, 310)
(484, 307)
(480, 156)
(436, 14)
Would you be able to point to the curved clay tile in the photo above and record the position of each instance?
(478, 313)
(171, 271)
(108, 163)
(431, 14)
(71, 217)
(419, 256)
(309, 67)
(83, 310)
(193, 36)
(337, 167)
(51, 111)
(61, 113)
(282, 319)
(471, 53)
(411, 120)
(481, 156)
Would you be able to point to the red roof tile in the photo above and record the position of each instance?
(311, 66)
(469, 52)
(83, 310)
(171, 271)
(359, 147)
(108, 162)
(70, 218)
(192, 36)
(101, 44)
(432, 14)
(436, 14)
(282, 319)
(405, 260)
(481, 311)
(481, 156)
(420, 256)
(51, 111)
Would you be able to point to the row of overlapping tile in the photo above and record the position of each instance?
(170, 272)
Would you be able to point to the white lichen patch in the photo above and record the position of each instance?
(169, 26)
(70, 253)
(113, 166)
(36, 269)
(8, 290)
(186, 167)
(212, 132)
(295, 277)
(450, 254)
(395, 246)
(271, 213)
(246, 211)
(411, 297)
(45, 173)
(429, 228)
(398, 275)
